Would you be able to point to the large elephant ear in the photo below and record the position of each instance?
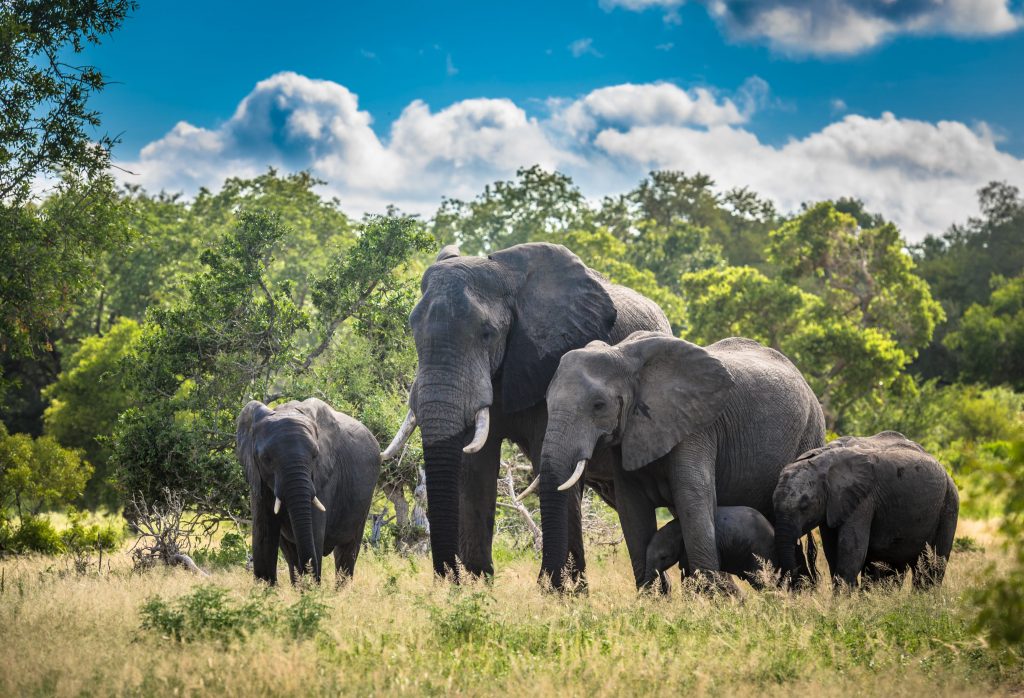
(245, 446)
(849, 481)
(681, 389)
(559, 305)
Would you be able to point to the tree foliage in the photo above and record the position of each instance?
(45, 123)
(36, 474)
(86, 400)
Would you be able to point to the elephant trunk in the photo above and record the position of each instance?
(556, 469)
(298, 497)
(786, 535)
(442, 465)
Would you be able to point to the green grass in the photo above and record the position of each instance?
(396, 631)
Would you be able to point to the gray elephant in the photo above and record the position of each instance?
(311, 472)
(745, 541)
(878, 500)
(694, 428)
(489, 333)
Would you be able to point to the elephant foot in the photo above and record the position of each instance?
(714, 583)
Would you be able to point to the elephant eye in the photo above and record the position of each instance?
(599, 405)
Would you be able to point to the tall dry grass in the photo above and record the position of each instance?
(396, 631)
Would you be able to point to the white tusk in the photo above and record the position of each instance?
(575, 476)
(483, 425)
(528, 490)
(404, 432)
(277, 504)
(318, 504)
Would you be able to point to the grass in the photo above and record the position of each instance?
(395, 630)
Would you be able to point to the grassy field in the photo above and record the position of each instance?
(394, 630)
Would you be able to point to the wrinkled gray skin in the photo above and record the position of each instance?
(693, 428)
(489, 332)
(878, 501)
(745, 541)
(297, 451)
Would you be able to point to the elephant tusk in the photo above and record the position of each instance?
(277, 504)
(483, 425)
(404, 432)
(318, 504)
(528, 490)
(575, 476)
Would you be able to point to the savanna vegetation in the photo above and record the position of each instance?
(135, 324)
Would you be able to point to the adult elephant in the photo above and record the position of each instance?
(311, 473)
(489, 334)
(693, 429)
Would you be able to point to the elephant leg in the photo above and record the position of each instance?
(478, 500)
(931, 570)
(266, 535)
(639, 522)
(691, 469)
(852, 547)
(345, 556)
(291, 555)
(829, 545)
(879, 573)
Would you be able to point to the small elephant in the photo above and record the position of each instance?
(745, 541)
(879, 502)
(311, 472)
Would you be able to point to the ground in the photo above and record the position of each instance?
(396, 631)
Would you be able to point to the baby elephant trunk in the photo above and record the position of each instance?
(786, 534)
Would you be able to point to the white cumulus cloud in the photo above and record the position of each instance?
(840, 27)
(922, 175)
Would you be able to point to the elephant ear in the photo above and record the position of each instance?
(849, 481)
(681, 389)
(559, 305)
(245, 445)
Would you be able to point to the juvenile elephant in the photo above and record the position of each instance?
(879, 501)
(489, 332)
(744, 538)
(694, 428)
(311, 473)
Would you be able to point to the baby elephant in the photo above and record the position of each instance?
(745, 541)
(879, 500)
(311, 473)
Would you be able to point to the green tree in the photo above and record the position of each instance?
(988, 344)
(86, 400)
(45, 122)
(38, 473)
(536, 206)
(237, 335)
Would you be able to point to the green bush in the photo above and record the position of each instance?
(35, 534)
(211, 613)
(1001, 602)
(231, 551)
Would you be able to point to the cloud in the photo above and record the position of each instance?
(449, 67)
(843, 27)
(838, 106)
(584, 47)
(667, 46)
(922, 175)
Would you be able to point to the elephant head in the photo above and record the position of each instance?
(484, 326)
(823, 486)
(664, 551)
(645, 395)
(279, 451)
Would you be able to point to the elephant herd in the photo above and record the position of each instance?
(530, 345)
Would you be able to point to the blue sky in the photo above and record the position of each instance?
(432, 99)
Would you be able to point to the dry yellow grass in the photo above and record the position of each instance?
(395, 630)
